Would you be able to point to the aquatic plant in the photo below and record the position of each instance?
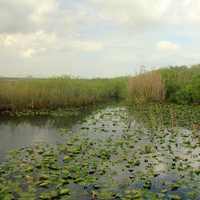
(125, 164)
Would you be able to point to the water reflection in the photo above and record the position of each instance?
(17, 132)
(24, 134)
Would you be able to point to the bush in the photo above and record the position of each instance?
(182, 84)
(195, 89)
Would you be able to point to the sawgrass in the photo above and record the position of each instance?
(23, 94)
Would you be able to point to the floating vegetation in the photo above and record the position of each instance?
(132, 162)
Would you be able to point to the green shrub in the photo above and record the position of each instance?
(195, 89)
(182, 84)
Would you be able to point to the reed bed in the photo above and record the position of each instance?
(146, 87)
(53, 93)
(175, 84)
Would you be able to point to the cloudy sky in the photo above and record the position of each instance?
(103, 38)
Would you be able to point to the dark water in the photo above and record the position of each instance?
(23, 131)
(23, 134)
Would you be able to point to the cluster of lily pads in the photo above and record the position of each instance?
(108, 156)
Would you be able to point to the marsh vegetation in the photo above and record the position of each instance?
(61, 92)
(145, 146)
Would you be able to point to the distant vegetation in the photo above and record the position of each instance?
(173, 84)
(25, 94)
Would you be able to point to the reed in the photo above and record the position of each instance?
(22, 94)
(146, 87)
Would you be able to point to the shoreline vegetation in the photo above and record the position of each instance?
(180, 85)
(58, 93)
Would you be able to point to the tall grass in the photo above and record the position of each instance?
(52, 93)
(174, 84)
(146, 87)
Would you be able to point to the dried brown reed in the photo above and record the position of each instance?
(146, 87)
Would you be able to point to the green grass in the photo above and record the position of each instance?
(25, 94)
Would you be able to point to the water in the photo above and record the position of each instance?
(129, 155)
(23, 134)
(24, 131)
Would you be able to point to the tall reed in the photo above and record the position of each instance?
(52, 93)
(146, 87)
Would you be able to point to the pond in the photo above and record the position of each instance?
(102, 154)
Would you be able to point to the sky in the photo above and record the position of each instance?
(96, 38)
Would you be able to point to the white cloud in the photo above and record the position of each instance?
(87, 46)
(100, 34)
(129, 11)
(25, 15)
(28, 53)
(42, 9)
(184, 12)
(7, 40)
(148, 13)
(28, 44)
(167, 46)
